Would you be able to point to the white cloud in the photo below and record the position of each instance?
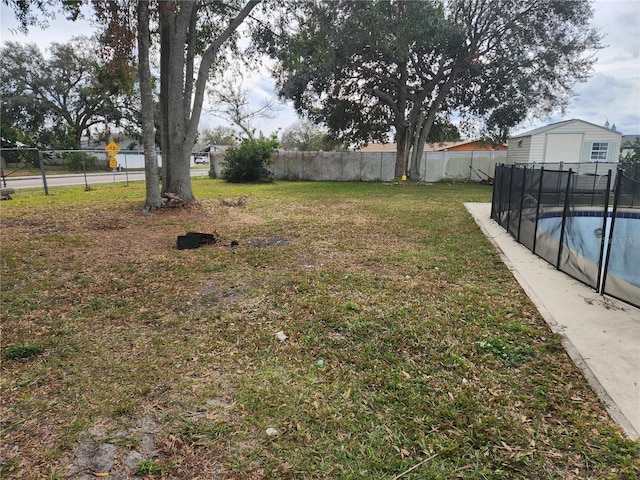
(59, 29)
(613, 92)
(618, 21)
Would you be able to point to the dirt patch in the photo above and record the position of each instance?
(107, 224)
(192, 451)
(214, 292)
(19, 222)
(118, 454)
(234, 202)
(49, 230)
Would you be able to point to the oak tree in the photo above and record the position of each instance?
(193, 37)
(66, 92)
(365, 69)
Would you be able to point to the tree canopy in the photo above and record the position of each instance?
(633, 156)
(56, 99)
(308, 136)
(193, 38)
(219, 135)
(365, 69)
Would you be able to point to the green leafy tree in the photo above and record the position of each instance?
(193, 38)
(80, 161)
(219, 135)
(634, 155)
(248, 162)
(365, 69)
(443, 131)
(308, 136)
(12, 135)
(67, 92)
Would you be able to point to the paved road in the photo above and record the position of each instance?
(79, 179)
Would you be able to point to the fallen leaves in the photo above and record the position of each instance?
(349, 274)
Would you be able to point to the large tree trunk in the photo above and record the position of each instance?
(402, 133)
(78, 137)
(424, 124)
(180, 113)
(423, 127)
(153, 199)
(416, 152)
(174, 31)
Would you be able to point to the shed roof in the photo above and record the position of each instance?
(553, 126)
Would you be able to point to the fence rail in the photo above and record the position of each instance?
(20, 164)
(585, 224)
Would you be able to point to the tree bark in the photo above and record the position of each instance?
(153, 199)
(180, 113)
(174, 23)
(402, 133)
(414, 172)
(402, 128)
(427, 123)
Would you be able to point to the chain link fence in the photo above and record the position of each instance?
(20, 164)
(30, 168)
(16, 162)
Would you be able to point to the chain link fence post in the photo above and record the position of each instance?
(44, 175)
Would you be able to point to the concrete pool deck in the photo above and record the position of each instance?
(600, 334)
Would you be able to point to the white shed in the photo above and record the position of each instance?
(570, 141)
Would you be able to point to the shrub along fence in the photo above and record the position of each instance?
(585, 224)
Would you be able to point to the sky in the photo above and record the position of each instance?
(613, 91)
(611, 94)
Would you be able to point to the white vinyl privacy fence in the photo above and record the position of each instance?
(376, 167)
(313, 166)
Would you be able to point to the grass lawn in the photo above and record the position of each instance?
(410, 352)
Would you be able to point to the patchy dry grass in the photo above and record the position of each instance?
(166, 363)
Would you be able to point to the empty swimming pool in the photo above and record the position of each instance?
(588, 240)
(586, 225)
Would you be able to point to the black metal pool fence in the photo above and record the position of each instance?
(585, 224)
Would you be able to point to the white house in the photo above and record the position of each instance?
(570, 141)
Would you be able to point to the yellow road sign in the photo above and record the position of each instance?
(112, 162)
(112, 148)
